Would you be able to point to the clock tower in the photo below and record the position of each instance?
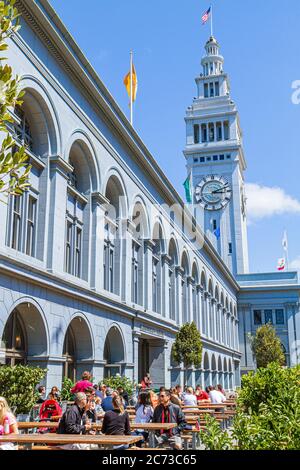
(215, 160)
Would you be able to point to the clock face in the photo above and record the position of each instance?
(213, 192)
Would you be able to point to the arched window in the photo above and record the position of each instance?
(113, 354)
(196, 295)
(69, 355)
(22, 127)
(14, 340)
(203, 303)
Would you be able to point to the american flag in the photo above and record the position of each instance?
(206, 15)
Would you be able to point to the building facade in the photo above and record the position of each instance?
(101, 262)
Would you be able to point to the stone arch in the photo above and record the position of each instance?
(45, 122)
(206, 368)
(81, 155)
(114, 353)
(158, 236)
(78, 336)
(203, 280)
(195, 272)
(185, 263)
(210, 287)
(34, 333)
(115, 192)
(173, 251)
(214, 370)
(140, 219)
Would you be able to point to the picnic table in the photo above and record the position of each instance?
(150, 427)
(61, 439)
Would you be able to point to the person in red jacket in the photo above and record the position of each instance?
(83, 384)
(201, 395)
(49, 408)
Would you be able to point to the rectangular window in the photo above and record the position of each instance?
(203, 133)
(154, 285)
(111, 269)
(226, 130)
(196, 134)
(205, 90)
(31, 226)
(211, 90)
(202, 159)
(230, 248)
(134, 274)
(219, 131)
(211, 132)
(214, 225)
(279, 316)
(78, 252)
(222, 157)
(16, 224)
(215, 158)
(68, 261)
(217, 89)
(257, 317)
(268, 316)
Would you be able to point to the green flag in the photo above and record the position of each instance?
(188, 190)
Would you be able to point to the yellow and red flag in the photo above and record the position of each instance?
(127, 83)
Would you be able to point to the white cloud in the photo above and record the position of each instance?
(263, 201)
(295, 264)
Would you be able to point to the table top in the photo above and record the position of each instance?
(37, 424)
(205, 406)
(133, 426)
(62, 439)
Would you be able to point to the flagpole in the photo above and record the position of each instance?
(286, 249)
(211, 20)
(131, 88)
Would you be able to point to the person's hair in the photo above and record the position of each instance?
(162, 389)
(190, 390)
(198, 386)
(96, 386)
(178, 386)
(118, 404)
(207, 389)
(167, 392)
(41, 388)
(4, 408)
(56, 388)
(173, 390)
(219, 387)
(52, 396)
(144, 399)
(89, 390)
(79, 397)
(86, 375)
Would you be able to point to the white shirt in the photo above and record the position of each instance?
(216, 397)
(144, 414)
(189, 400)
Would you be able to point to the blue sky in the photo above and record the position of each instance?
(261, 46)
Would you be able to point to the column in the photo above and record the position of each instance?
(180, 273)
(215, 131)
(98, 224)
(166, 261)
(199, 313)
(136, 341)
(207, 313)
(214, 319)
(149, 245)
(294, 344)
(190, 299)
(59, 174)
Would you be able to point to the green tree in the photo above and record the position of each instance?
(266, 346)
(187, 347)
(18, 385)
(14, 167)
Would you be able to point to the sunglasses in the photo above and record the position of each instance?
(162, 396)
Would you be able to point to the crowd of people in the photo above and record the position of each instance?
(101, 404)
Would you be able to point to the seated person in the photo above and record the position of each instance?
(189, 399)
(167, 412)
(201, 395)
(116, 421)
(73, 421)
(7, 419)
(144, 414)
(107, 404)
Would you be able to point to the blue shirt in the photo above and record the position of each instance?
(107, 404)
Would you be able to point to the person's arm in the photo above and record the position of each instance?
(14, 428)
(127, 425)
(181, 420)
(74, 389)
(104, 424)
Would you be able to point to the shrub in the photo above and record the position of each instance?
(266, 346)
(18, 385)
(119, 381)
(66, 394)
(187, 347)
(213, 437)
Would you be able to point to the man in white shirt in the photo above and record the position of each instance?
(216, 397)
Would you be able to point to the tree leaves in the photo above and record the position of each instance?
(18, 385)
(188, 346)
(266, 346)
(14, 166)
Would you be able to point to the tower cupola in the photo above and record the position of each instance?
(212, 62)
